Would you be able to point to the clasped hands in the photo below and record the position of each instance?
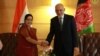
(43, 43)
(45, 46)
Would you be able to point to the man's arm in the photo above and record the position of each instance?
(1, 45)
(74, 32)
(49, 37)
(75, 37)
(51, 33)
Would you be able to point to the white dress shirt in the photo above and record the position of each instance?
(61, 18)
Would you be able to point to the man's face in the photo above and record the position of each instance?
(59, 9)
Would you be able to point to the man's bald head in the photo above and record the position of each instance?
(59, 9)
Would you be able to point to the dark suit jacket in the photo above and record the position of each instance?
(66, 39)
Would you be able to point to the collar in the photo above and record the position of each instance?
(61, 16)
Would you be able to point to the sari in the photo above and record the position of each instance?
(25, 48)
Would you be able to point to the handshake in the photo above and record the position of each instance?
(46, 49)
(43, 43)
(45, 46)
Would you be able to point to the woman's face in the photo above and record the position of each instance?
(28, 21)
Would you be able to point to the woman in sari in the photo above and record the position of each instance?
(27, 40)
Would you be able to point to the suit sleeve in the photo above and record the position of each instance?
(51, 33)
(74, 32)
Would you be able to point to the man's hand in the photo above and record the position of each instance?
(76, 51)
(1, 45)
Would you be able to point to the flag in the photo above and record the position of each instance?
(84, 17)
(21, 10)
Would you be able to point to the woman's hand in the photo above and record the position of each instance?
(38, 42)
(44, 43)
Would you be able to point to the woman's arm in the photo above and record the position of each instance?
(29, 39)
(24, 32)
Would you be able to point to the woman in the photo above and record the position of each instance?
(27, 41)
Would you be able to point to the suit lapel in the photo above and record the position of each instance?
(57, 23)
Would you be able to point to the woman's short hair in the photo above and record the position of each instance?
(27, 16)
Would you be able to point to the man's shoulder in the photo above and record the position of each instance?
(54, 18)
(68, 15)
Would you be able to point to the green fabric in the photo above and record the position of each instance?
(88, 29)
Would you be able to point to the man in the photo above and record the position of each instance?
(1, 45)
(63, 28)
